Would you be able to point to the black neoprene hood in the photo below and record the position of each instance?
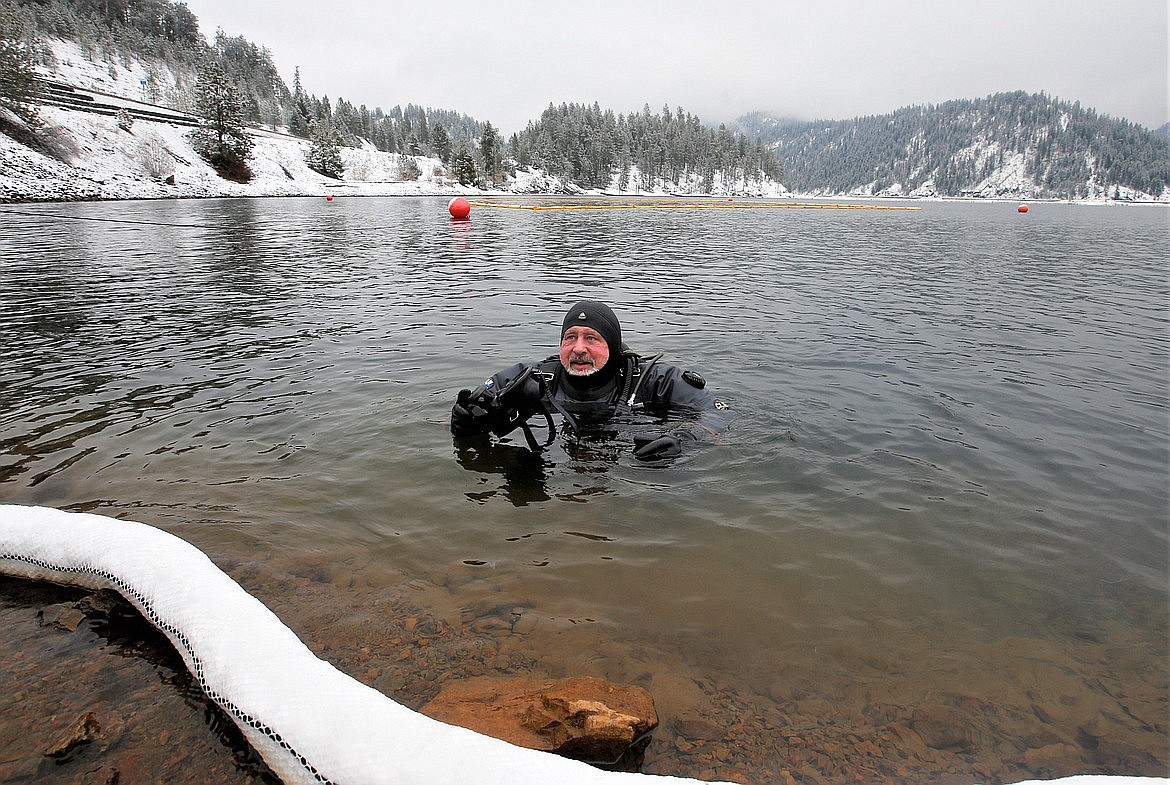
(599, 316)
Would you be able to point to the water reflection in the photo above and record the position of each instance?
(579, 465)
(523, 470)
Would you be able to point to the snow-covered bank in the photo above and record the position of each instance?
(96, 158)
(99, 159)
(1099, 779)
(155, 160)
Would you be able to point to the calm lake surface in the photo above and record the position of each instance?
(945, 484)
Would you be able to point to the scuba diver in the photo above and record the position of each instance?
(593, 378)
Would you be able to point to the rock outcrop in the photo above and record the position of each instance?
(581, 717)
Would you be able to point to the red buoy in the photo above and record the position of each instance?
(460, 208)
(1022, 208)
(329, 198)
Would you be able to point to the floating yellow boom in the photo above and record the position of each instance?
(706, 204)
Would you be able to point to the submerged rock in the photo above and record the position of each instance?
(83, 731)
(62, 615)
(582, 717)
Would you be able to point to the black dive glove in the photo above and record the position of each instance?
(497, 408)
(473, 413)
(656, 446)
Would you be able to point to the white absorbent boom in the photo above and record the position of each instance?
(309, 721)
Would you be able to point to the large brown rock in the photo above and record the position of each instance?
(947, 728)
(83, 731)
(580, 717)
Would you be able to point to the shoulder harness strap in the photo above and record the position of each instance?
(546, 373)
(636, 374)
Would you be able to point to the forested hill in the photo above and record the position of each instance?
(585, 146)
(165, 35)
(1008, 144)
(642, 151)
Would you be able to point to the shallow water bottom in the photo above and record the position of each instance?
(911, 717)
(91, 693)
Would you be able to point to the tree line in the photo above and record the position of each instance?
(166, 35)
(1069, 151)
(233, 81)
(597, 148)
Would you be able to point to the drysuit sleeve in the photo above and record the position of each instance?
(694, 414)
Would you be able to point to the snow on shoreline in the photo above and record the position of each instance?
(106, 162)
(155, 160)
(1099, 779)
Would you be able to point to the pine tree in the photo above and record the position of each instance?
(441, 143)
(424, 133)
(489, 150)
(324, 153)
(298, 121)
(463, 164)
(179, 25)
(16, 73)
(413, 146)
(220, 138)
(408, 168)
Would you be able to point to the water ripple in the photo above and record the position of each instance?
(938, 412)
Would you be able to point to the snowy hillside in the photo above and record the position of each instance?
(155, 160)
(1007, 145)
(93, 157)
(88, 155)
(151, 160)
(85, 155)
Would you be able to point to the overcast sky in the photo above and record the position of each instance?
(505, 60)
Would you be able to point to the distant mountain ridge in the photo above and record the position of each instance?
(1006, 145)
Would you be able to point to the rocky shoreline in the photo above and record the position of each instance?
(99, 696)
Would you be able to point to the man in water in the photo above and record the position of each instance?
(593, 378)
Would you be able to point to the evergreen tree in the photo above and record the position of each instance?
(441, 143)
(392, 144)
(489, 150)
(17, 84)
(463, 164)
(346, 122)
(179, 25)
(298, 121)
(591, 146)
(220, 138)
(413, 146)
(250, 69)
(365, 121)
(424, 133)
(408, 168)
(324, 153)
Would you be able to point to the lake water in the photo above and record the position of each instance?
(932, 544)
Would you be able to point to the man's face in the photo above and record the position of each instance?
(583, 351)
